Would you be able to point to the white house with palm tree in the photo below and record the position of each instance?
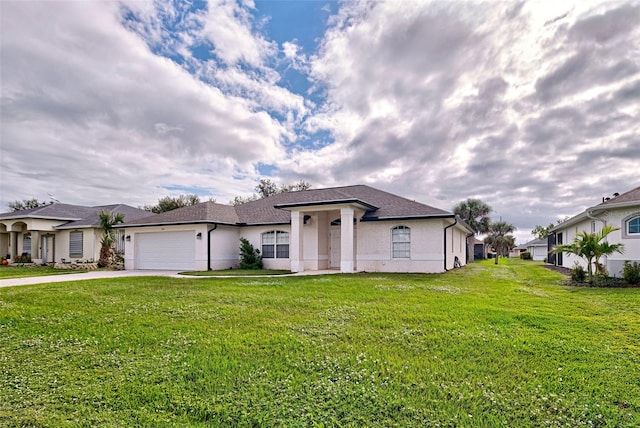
(622, 212)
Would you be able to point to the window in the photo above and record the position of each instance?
(275, 244)
(26, 244)
(401, 242)
(633, 226)
(75, 244)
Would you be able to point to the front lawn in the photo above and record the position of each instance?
(486, 345)
(17, 271)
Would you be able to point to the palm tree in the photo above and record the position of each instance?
(475, 213)
(590, 247)
(499, 237)
(107, 221)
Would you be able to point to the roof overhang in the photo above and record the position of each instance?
(322, 205)
(172, 223)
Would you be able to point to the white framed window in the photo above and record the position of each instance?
(75, 244)
(401, 242)
(26, 244)
(275, 244)
(633, 226)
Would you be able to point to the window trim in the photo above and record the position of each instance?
(76, 233)
(394, 241)
(280, 248)
(625, 226)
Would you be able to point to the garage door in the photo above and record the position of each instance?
(166, 250)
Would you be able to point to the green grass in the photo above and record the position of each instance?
(237, 272)
(13, 271)
(486, 345)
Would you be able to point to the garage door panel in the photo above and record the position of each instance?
(166, 250)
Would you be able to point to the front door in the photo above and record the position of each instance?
(48, 255)
(334, 248)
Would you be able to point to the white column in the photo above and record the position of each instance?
(295, 242)
(346, 240)
(13, 243)
(35, 245)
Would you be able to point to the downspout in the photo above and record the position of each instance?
(445, 241)
(215, 226)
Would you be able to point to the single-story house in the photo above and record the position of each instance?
(57, 232)
(621, 211)
(351, 228)
(480, 249)
(537, 248)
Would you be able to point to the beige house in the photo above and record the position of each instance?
(57, 232)
(621, 211)
(351, 228)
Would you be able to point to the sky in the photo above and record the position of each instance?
(532, 106)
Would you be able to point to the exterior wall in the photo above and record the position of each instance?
(225, 247)
(456, 245)
(375, 250)
(617, 218)
(90, 245)
(253, 235)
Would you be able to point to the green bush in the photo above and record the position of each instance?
(578, 274)
(525, 255)
(631, 272)
(250, 257)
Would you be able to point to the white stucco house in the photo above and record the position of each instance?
(57, 232)
(351, 228)
(621, 211)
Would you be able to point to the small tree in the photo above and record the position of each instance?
(590, 246)
(26, 204)
(107, 221)
(169, 203)
(250, 257)
(500, 239)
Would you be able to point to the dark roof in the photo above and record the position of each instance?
(630, 196)
(205, 212)
(379, 205)
(76, 216)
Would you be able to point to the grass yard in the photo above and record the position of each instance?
(13, 271)
(237, 272)
(486, 345)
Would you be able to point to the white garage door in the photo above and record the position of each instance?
(166, 250)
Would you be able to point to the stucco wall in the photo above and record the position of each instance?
(253, 234)
(617, 218)
(375, 249)
(225, 247)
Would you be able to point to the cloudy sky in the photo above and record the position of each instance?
(533, 106)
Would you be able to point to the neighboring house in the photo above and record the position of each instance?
(480, 249)
(352, 228)
(537, 248)
(621, 211)
(55, 232)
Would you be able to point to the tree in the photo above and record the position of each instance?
(107, 221)
(250, 257)
(475, 213)
(26, 204)
(500, 239)
(590, 247)
(169, 203)
(541, 232)
(267, 188)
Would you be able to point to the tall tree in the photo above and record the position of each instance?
(169, 203)
(107, 221)
(475, 213)
(500, 238)
(267, 188)
(541, 232)
(591, 247)
(26, 204)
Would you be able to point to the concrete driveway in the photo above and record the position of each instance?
(87, 275)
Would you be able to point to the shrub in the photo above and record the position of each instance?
(525, 255)
(578, 274)
(631, 272)
(250, 257)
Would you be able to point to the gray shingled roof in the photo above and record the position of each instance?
(630, 196)
(382, 205)
(205, 212)
(76, 215)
